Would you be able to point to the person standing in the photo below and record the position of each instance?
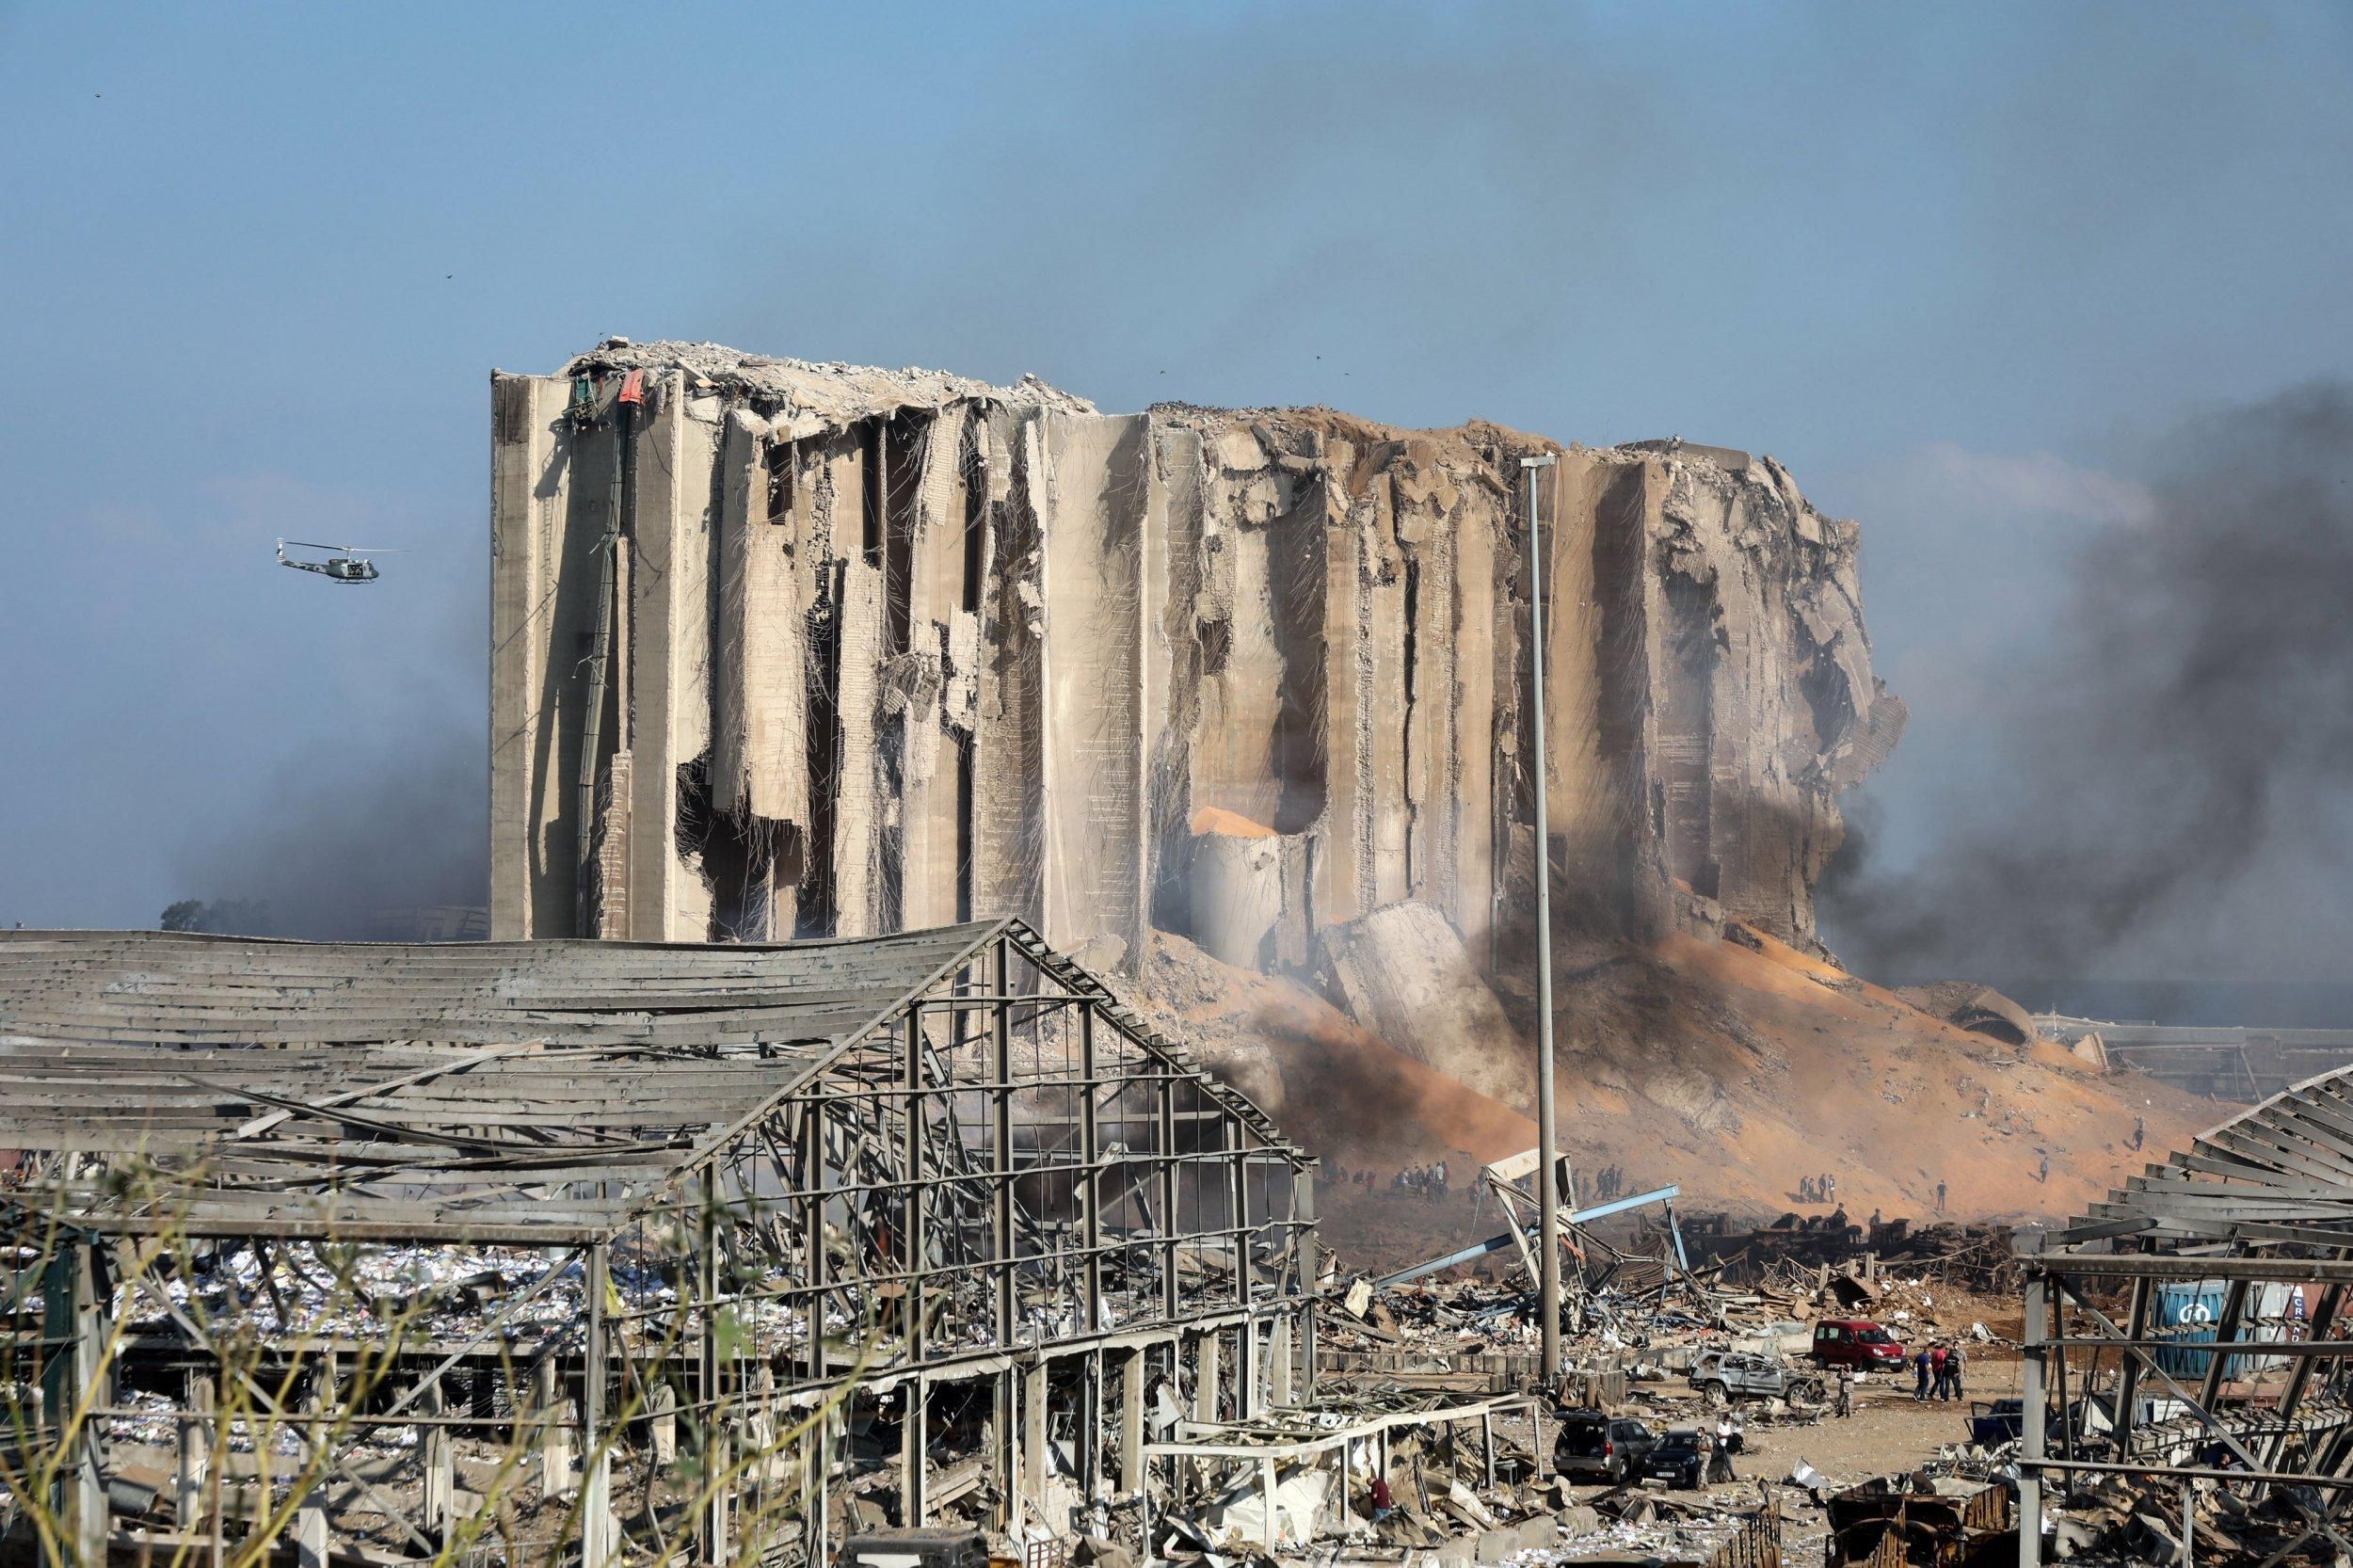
(1936, 1370)
(1846, 1392)
(1939, 1194)
(1920, 1365)
(1952, 1374)
(2043, 1174)
(2140, 1130)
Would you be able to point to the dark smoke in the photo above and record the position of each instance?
(345, 837)
(2175, 761)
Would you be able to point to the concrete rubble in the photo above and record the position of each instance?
(791, 648)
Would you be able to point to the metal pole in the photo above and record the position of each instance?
(1547, 1155)
(2030, 1423)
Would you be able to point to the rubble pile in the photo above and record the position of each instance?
(1378, 1473)
(2150, 1519)
(1922, 1519)
(1978, 1256)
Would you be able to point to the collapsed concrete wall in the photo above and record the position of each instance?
(784, 648)
(1402, 973)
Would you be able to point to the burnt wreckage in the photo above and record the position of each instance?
(2214, 1286)
(574, 1250)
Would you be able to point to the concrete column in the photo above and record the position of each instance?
(929, 774)
(662, 1425)
(309, 1530)
(1096, 797)
(914, 1442)
(529, 479)
(1266, 1498)
(440, 1484)
(196, 1449)
(1205, 1375)
(1131, 1422)
(1279, 1361)
(1344, 882)
(556, 1479)
(1036, 1392)
(1006, 737)
(668, 632)
(1393, 692)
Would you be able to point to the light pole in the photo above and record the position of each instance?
(1547, 1154)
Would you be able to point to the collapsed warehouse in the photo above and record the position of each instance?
(2220, 1431)
(587, 1249)
(792, 648)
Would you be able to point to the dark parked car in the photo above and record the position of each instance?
(1678, 1461)
(1595, 1447)
(1995, 1424)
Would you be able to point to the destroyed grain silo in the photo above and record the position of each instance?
(791, 649)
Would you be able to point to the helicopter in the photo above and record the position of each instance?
(345, 563)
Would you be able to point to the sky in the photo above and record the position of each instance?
(1962, 268)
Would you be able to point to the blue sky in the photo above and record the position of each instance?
(1961, 267)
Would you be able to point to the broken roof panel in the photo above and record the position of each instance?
(524, 1092)
(2280, 1172)
(145, 987)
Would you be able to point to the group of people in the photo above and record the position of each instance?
(1608, 1183)
(1425, 1182)
(1939, 1368)
(1818, 1188)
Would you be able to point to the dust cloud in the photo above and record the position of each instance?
(2170, 789)
(343, 836)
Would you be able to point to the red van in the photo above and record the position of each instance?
(1855, 1342)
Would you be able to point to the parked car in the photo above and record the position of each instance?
(1856, 1342)
(1992, 1425)
(1737, 1374)
(1678, 1460)
(1596, 1447)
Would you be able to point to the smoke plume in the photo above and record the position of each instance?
(345, 837)
(2172, 778)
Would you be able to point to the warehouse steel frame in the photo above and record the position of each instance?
(2264, 1198)
(945, 1168)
